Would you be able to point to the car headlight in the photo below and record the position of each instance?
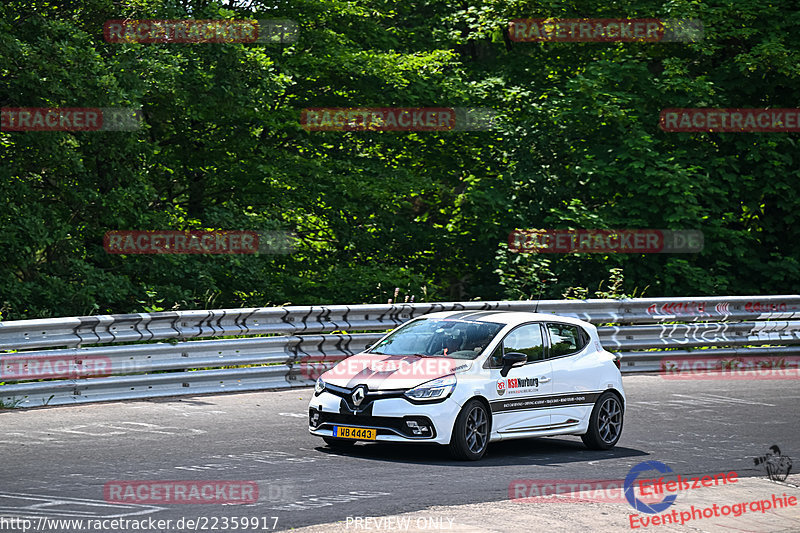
(437, 389)
(319, 386)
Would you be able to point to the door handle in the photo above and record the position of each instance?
(544, 379)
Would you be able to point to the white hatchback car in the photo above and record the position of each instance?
(467, 378)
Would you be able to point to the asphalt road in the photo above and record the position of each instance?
(56, 461)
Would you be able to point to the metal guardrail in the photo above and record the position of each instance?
(291, 344)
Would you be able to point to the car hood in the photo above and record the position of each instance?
(392, 372)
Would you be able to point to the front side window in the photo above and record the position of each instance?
(565, 339)
(458, 339)
(525, 339)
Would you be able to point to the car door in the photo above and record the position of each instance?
(573, 367)
(519, 400)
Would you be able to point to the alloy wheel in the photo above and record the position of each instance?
(609, 420)
(477, 428)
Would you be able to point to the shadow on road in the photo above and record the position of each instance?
(534, 451)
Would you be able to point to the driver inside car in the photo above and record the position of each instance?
(453, 345)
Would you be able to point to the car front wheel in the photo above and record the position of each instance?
(605, 424)
(471, 432)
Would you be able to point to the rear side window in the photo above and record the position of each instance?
(566, 339)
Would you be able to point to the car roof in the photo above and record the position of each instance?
(506, 317)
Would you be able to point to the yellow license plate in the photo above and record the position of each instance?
(345, 432)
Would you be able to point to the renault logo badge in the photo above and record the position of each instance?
(358, 395)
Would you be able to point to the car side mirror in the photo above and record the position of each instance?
(511, 359)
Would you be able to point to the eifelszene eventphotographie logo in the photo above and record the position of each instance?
(630, 495)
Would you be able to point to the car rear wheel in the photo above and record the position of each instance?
(471, 432)
(333, 442)
(605, 424)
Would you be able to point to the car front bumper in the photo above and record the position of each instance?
(389, 416)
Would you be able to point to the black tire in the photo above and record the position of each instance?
(471, 432)
(605, 424)
(333, 442)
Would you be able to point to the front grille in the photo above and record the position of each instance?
(371, 396)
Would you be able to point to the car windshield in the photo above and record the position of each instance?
(459, 339)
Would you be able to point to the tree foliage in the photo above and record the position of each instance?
(576, 145)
